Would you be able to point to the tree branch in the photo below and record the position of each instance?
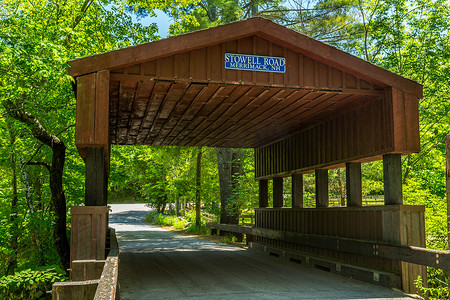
(38, 131)
(39, 163)
(40, 146)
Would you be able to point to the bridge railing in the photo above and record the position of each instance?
(244, 219)
(417, 255)
(108, 285)
(92, 279)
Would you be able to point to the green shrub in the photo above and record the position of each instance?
(190, 216)
(198, 229)
(164, 220)
(437, 285)
(179, 224)
(150, 218)
(228, 239)
(30, 284)
(159, 219)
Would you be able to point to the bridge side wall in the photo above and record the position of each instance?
(396, 224)
(362, 133)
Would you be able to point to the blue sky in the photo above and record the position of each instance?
(162, 20)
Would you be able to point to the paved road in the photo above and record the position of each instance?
(157, 264)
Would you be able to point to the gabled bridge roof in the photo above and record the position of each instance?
(177, 91)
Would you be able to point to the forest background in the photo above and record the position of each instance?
(42, 175)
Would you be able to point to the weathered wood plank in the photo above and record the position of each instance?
(263, 193)
(297, 190)
(96, 180)
(277, 185)
(321, 187)
(353, 183)
(392, 177)
(417, 255)
(85, 118)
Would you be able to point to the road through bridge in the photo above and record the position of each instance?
(158, 264)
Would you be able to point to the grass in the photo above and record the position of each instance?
(186, 226)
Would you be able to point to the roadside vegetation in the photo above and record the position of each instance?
(186, 225)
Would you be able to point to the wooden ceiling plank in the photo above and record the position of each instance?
(323, 105)
(137, 111)
(113, 110)
(142, 102)
(244, 100)
(178, 112)
(272, 103)
(328, 107)
(304, 97)
(127, 93)
(281, 127)
(175, 92)
(201, 133)
(159, 92)
(345, 100)
(196, 105)
(224, 100)
(190, 114)
(182, 104)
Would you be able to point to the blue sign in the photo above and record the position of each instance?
(255, 63)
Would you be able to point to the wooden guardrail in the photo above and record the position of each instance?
(107, 286)
(92, 279)
(416, 255)
(243, 219)
(210, 217)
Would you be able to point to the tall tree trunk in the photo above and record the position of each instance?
(341, 188)
(447, 188)
(198, 182)
(34, 229)
(58, 199)
(26, 184)
(229, 163)
(12, 263)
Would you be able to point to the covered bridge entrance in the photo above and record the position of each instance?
(302, 105)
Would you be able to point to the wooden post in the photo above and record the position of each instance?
(353, 182)
(96, 177)
(278, 192)
(88, 234)
(263, 193)
(392, 176)
(321, 188)
(447, 186)
(297, 190)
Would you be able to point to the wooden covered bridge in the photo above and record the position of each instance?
(303, 106)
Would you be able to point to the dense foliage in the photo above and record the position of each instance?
(30, 284)
(38, 37)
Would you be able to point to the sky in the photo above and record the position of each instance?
(162, 20)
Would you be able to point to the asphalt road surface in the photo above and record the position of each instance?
(158, 264)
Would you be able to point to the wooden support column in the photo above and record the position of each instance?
(392, 176)
(321, 188)
(278, 192)
(263, 193)
(297, 190)
(353, 182)
(96, 177)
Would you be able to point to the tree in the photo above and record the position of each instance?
(36, 41)
(198, 178)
